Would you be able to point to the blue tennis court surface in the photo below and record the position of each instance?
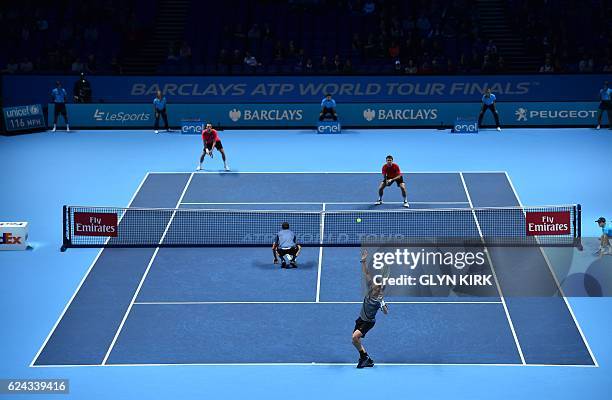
(197, 305)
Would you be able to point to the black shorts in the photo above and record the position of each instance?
(605, 105)
(218, 145)
(363, 326)
(60, 108)
(292, 250)
(398, 182)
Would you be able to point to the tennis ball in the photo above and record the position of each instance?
(358, 219)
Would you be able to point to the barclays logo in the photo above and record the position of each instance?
(235, 115)
(369, 114)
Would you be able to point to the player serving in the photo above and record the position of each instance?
(391, 174)
(372, 302)
(211, 141)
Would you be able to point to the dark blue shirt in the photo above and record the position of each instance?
(59, 95)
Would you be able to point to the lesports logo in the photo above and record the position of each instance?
(369, 114)
(400, 114)
(120, 116)
(235, 115)
(521, 114)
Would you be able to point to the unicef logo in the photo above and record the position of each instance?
(235, 115)
(34, 109)
(369, 114)
(521, 114)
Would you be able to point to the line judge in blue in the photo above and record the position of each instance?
(488, 103)
(286, 247)
(328, 107)
(159, 106)
(605, 105)
(59, 96)
(604, 240)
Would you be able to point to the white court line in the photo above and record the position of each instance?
(569, 307)
(321, 233)
(144, 276)
(83, 280)
(179, 303)
(352, 365)
(319, 202)
(498, 286)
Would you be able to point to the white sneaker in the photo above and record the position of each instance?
(67, 128)
(406, 205)
(199, 168)
(378, 202)
(54, 128)
(156, 131)
(498, 129)
(227, 168)
(598, 127)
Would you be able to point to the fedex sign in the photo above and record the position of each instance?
(13, 235)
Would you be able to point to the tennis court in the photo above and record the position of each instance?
(214, 305)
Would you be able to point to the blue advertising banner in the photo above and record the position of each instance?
(306, 115)
(22, 118)
(26, 89)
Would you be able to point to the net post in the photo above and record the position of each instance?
(65, 228)
(578, 226)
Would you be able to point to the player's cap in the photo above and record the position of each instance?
(601, 219)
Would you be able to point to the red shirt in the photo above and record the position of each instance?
(210, 137)
(392, 171)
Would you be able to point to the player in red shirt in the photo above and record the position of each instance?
(391, 173)
(210, 139)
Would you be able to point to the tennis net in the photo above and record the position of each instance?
(153, 227)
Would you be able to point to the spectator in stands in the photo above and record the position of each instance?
(11, 66)
(411, 68)
(369, 7)
(547, 68)
(59, 97)
(347, 69)
(159, 108)
(82, 90)
(115, 66)
(92, 65)
(337, 64)
(250, 62)
(394, 50)
(26, 65)
(586, 64)
(77, 65)
(309, 67)
(397, 67)
(323, 66)
(185, 53)
(171, 54)
(488, 103)
(254, 33)
(328, 107)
